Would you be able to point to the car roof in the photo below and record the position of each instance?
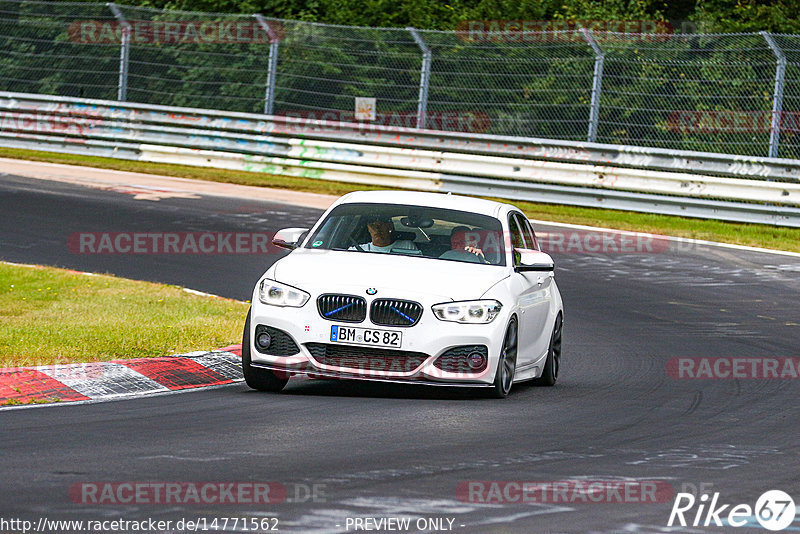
(435, 200)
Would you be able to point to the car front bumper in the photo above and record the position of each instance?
(414, 362)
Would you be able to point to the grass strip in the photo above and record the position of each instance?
(755, 235)
(52, 316)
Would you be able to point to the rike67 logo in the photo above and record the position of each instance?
(774, 510)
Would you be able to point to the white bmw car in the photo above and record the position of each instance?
(408, 287)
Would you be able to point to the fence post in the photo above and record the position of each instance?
(272, 64)
(124, 52)
(424, 77)
(597, 85)
(777, 95)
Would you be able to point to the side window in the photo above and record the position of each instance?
(530, 235)
(517, 240)
(526, 239)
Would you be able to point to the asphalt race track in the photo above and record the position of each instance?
(386, 451)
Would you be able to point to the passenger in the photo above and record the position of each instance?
(463, 246)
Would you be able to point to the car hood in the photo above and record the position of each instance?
(393, 276)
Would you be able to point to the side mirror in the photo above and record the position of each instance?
(289, 238)
(532, 260)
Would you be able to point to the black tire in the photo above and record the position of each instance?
(553, 361)
(507, 364)
(260, 379)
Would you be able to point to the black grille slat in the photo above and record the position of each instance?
(366, 358)
(395, 312)
(345, 308)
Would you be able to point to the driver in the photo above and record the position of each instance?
(380, 230)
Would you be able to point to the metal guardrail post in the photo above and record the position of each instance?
(272, 64)
(777, 95)
(424, 77)
(124, 52)
(597, 85)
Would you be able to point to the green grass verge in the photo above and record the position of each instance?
(51, 316)
(756, 235)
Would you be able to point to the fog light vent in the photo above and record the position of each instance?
(464, 359)
(275, 342)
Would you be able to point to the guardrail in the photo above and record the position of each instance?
(719, 186)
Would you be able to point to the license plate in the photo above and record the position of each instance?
(366, 336)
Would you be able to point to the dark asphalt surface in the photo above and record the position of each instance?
(392, 451)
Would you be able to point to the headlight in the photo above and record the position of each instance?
(468, 311)
(277, 294)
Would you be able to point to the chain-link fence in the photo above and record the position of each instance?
(731, 93)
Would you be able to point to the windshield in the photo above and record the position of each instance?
(438, 233)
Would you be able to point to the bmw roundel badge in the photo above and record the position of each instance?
(371, 291)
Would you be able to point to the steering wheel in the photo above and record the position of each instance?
(355, 244)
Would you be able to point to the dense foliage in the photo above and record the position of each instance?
(714, 16)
